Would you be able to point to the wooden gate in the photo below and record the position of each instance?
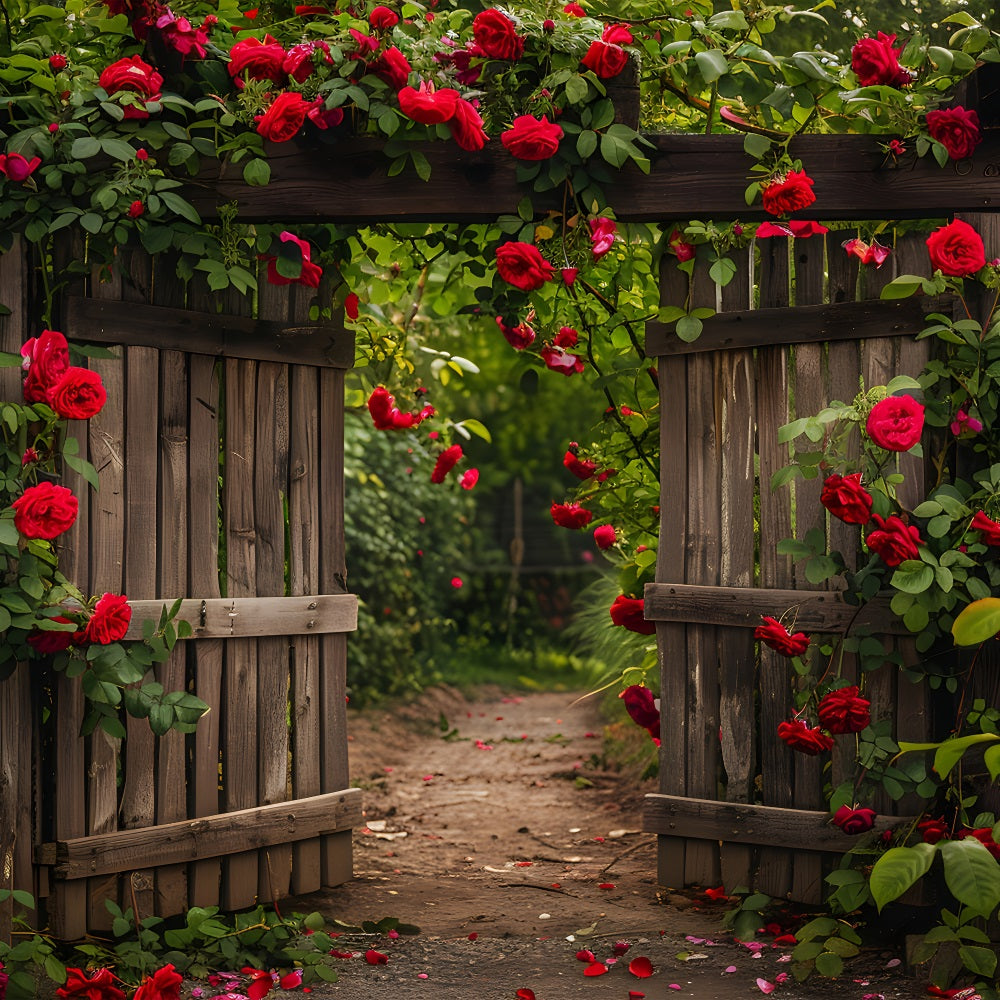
(797, 329)
(219, 427)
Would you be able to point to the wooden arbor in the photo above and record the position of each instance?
(707, 663)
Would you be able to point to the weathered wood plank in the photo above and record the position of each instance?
(690, 176)
(788, 829)
(13, 326)
(215, 334)
(248, 617)
(242, 830)
(16, 830)
(801, 324)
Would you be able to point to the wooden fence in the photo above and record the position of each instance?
(215, 425)
(797, 329)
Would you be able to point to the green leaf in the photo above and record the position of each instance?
(586, 143)
(992, 760)
(980, 961)
(912, 577)
(257, 172)
(91, 222)
(902, 287)
(757, 146)
(977, 622)
(951, 751)
(117, 149)
(829, 965)
(972, 874)
(711, 64)
(85, 147)
(898, 869)
(688, 328)
(478, 428)
(180, 207)
(577, 89)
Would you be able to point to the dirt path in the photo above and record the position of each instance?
(511, 849)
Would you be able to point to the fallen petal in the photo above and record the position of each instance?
(525, 994)
(586, 956)
(595, 969)
(292, 980)
(606, 885)
(764, 986)
(641, 967)
(893, 962)
(635, 995)
(373, 957)
(730, 968)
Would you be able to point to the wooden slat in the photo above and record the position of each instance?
(243, 830)
(803, 324)
(15, 792)
(691, 176)
(792, 830)
(248, 617)
(215, 334)
(813, 611)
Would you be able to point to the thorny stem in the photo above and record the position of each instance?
(965, 687)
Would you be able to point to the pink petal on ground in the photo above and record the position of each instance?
(893, 962)
(694, 940)
(730, 968)
(595, 969)
(641, 967)
(873, 996)
(764, 986)
(673, 986)
(422, 975)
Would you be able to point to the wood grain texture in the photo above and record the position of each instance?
(690, 176)
(242, 830)
(790, 829)
(211, 333)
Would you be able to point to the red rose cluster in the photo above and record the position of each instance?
(73, 393)
(876, 62)
(386, 416)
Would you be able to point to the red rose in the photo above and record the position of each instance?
(896, 423)
(566, 337)
(386, 416)
(894, 541)
(574, 10)
(260, 60)
(956, 250)
(469, 479)
(523, 266)
(570, 515)
(300, 61)
(605, 60)
(446, 461)
(427, 105)
(100, 986)
(602, 235)
(641, 707)
(284, 119)
(109, 622)
(496, 35)
(582, 468)
(136, 209)
(985, 837)
(799, 736)
(382, 17)
(366, 43)
(44, 511)
(846, 498)
(392, 67)
(844, 711)
(519, 337)
(311, 273)
(617, 34)
(46, 358)
(787, 194)
(558, 360)
(989, 531)
(854, 821)
(627, 612)
(875, 62)
(466, 126)
(933, 830)
(132, 76)
(957, 129)
(18, 168)
(531, 138)
(79, 394)
(772, 633)
(46, 642)
(604, 536)
(57, 61)
(164, 984)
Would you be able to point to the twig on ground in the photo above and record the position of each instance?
(536, 885)
(627, 852)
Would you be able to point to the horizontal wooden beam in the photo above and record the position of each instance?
(742, 607)
(325, 345)
(800, 325)
(691, 176)
(207, 837)
(246, 617)
(736, 823)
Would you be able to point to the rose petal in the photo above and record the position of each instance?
(473, 936)
(595, 969)
(893, 962)
(673, 986)
(730, 968)
(764, 986)
(373, 957)
(292, 980)
(606, 885)
(586, 956)
(525, 994)
(641, 967)
(635, 995)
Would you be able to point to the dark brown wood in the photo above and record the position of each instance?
(691, 176)
(789, 829)
(15, 793)
(247, 617)
(215, 334)
(243, 830)
(803, 324)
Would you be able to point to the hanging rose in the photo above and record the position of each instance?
(496, 36)
(427, 105)
(558, 360)
(799, 736)
(894, 541)
(469, 479)
(641, 707)
(45, 511)
(773, 634)
(965, 422)
(45, 642)
(260, 60)
(45, 360)
(844, 711)
(989, 530)
(78, 394)
(570, 515)
(957, 129)
(854, 821)
(18, 168)
(867, 253)
(466, 126)
(446, 461)
(604, 536)
(617, 34)
(164, 984)
(566, 337)
(876, 63)
(582, 468)
(896, 423)
(788, 193)
(284, 119)
(628, 613)
(523, 266)
(604, 60)
(110, 620)
(531, 138)
(386, 416)
(956, 250)
(846, 498)
(602, 235)
(310, 274)
(520, 336)
(392, 67)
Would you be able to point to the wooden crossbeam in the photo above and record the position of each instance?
(206, 837)
(325, 345)
(691, 176)
(742, 329)
(742, 607)
(246, 617)
(738, 823)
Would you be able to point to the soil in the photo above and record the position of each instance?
(498, 828)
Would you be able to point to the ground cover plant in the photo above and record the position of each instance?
(112, 109)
